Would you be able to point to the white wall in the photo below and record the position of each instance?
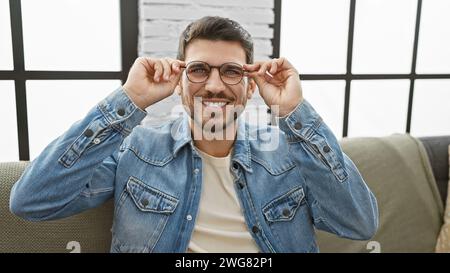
(162, 21)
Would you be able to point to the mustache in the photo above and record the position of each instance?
(210, 95)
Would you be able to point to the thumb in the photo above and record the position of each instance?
(176, 75)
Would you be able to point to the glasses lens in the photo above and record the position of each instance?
(197, 72)
(231, 73)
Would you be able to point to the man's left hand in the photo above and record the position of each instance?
(278, 83)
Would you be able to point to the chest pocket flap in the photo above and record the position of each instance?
(283, 208)
(150, 199)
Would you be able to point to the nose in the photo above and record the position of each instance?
(214, 83)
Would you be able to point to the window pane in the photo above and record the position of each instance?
(433, 55)
(71, 35)
(9, 146)
(431, 111)
(378, 107)
(53, 106)
(384, 36)
(314, 35)
(328, 98)
(6, 59)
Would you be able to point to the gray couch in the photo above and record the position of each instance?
(409, 177)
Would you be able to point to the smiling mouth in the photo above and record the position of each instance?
(218, 104)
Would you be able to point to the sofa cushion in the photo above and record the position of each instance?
(443, 242)
(397, 170)
(87, 232)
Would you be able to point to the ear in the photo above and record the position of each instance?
(179, 88)
(251, 88)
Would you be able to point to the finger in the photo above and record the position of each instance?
(273, 67)
(284, 64)
(265, 78)
(258, 79)
(177, 65)
(167, 70)
(176, 75)
(158, 70)
(268, 77)
(253, 75)
(263, 69)
(147, 63)
(252, 67)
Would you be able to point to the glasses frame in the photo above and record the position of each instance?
(244, 72)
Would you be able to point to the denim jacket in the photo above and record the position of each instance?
(289, 182)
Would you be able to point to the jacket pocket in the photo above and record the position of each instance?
(149, 199)
(290, 222)
(141, 215)
(284, 207)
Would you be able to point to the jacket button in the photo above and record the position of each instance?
(241, 185)
(88, 133)
(326, 149)
(298, 126)
(286, 212)
(144, 202)
(255, 229)
(121, 112)
(235, 166)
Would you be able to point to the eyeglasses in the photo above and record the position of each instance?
(230, 73)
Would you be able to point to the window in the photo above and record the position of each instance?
(8, 143)
(62, 50)
(378, 107)
(314, 35)
(71, 35)
(434, 42)
(384, 36)
(431, 108)
(53, 106)
(382, 62)
(327, 98)
(6, 59)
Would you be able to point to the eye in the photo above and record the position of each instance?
(198, 70)
(232, 71)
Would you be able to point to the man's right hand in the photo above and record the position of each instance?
(151, 80)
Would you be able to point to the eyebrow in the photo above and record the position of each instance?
(202, 62)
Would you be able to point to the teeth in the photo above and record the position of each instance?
(215, 104)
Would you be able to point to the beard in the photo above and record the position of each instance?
(213, 123)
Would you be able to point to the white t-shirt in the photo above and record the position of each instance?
(220, 224)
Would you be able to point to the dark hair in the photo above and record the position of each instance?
(217, 29)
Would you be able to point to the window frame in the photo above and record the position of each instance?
(349, 76)
(129, 43)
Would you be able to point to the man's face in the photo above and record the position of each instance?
(214, 101)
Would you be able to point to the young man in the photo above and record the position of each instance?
(205, 182)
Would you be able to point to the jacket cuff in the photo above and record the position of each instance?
(120, 111)
(301, 122)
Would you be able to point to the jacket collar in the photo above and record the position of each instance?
(181, 132)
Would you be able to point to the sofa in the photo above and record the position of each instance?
(408, 176)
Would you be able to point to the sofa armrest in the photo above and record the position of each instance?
(437, 151)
